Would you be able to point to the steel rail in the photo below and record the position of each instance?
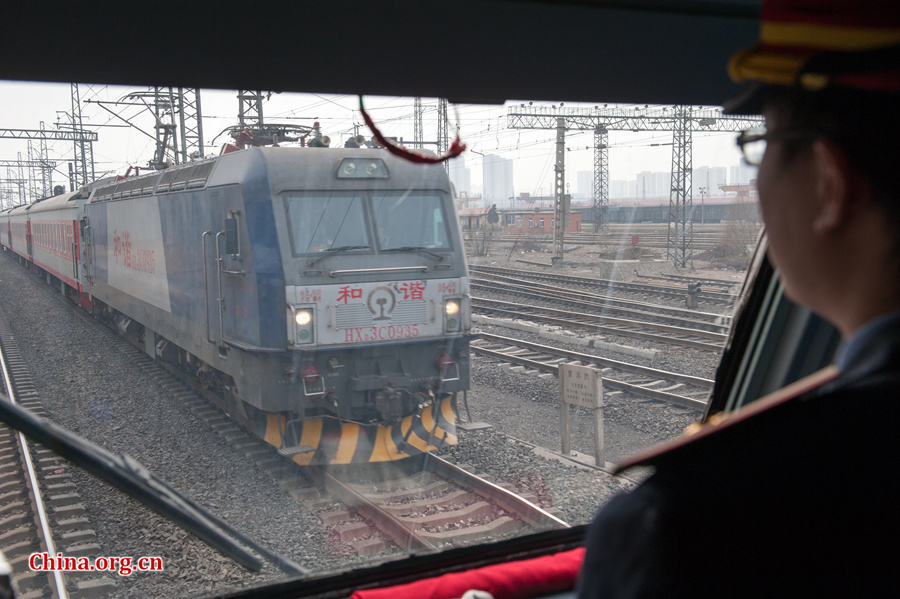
(613, 320)
(383, 520)
(702, 244)
(568, 297)
(607, 300)
(689, 279)
(667, 290)
(40, 510)
(608, 362)
(535, 313)
(506, 499)
(404, 535)
(682, 400)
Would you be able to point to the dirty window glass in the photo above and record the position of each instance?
(387, 357)
(409, 219)
(323, 222)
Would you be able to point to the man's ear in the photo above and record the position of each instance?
(836, 186)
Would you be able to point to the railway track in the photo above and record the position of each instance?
(430, 509)
(40, 508)
(439, 506)
(666, 334)
(605, 305)
(725, 286)
(705, 242)
(674, 290)
(454, 507)
(618, 377)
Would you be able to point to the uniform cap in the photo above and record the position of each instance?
(817, 44)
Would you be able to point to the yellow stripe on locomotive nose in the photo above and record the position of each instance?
(355, 438)
(273, 429)
(347, 443)
(384, 449)
(412, 438)
(310, 436)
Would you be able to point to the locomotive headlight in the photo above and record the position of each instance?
(452, 320)
(304, 324)
(362, 168)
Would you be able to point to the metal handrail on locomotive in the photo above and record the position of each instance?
(321, 293)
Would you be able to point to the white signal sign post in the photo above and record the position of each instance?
(581, 386)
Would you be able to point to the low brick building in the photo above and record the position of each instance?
(537, 221)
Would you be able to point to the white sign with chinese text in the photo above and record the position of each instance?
(378, 312)
(136, 258)
(581, 386)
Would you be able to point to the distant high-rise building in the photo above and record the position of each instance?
(584, 184)
(460, 175)
(644, 183)
(653, 185)
(741, 174)
(497, 176)
(710, 178)
(619, 188)
(662, 183)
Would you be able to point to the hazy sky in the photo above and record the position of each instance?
(25, 105)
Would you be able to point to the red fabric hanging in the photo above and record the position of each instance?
(512, 580)
(456, 148)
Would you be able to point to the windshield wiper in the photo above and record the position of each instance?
(130, 476)
(415, 248)
(341, 248)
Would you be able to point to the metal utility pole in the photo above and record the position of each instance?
(178, 122)
(12, 187)
(560, 199)
(190, 123)
(443, 131)
(83, 168)
(22, 184)
(418, 131)
(35, 190)
(637, 118)
(680, 237)
(250, 110)
(51, 135)
(164, 119)
(600, 190)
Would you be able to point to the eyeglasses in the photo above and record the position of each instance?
(753, 141)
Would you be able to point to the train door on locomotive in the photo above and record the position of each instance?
(28, 236)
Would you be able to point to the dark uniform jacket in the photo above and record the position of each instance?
(799, 499)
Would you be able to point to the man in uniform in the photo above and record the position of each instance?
(795, 493)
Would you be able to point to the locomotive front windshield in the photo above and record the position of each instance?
(321, 222)
(409, 220)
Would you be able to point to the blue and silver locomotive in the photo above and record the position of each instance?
(321, 292)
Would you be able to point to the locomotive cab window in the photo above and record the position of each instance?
(409, 219)
(322, 222)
